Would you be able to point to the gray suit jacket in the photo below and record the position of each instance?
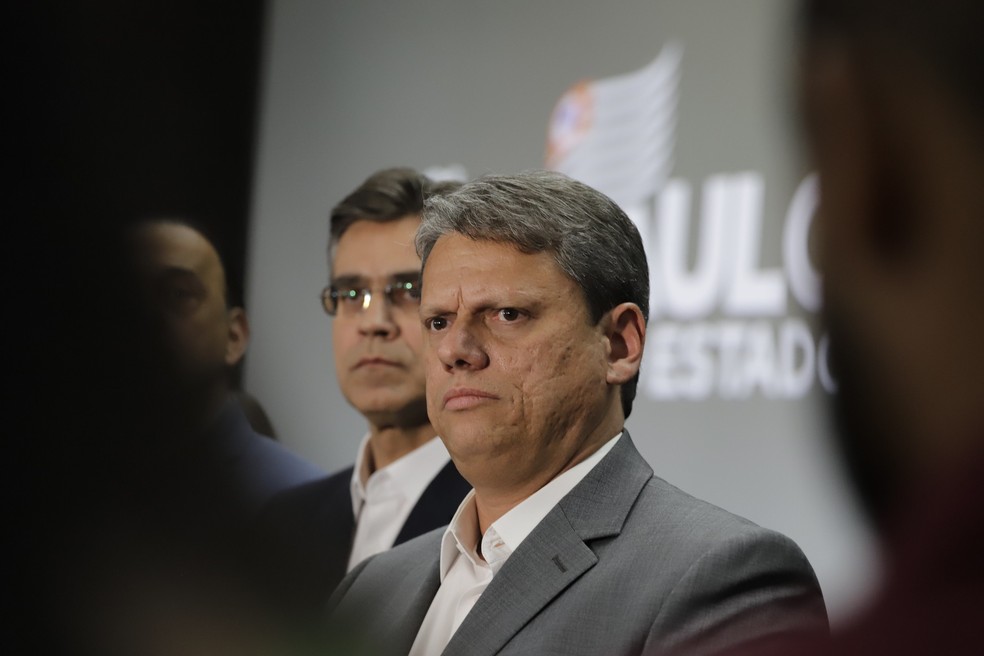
(624, 564)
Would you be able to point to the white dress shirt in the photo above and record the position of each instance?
(382, 504)
(464, 573)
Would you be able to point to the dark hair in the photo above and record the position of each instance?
(945, 34)
(590, 237)
(387, 195)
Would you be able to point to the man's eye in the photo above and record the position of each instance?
(436, 323)
(180, 296)
(405, 294)
(510, 314)
(412, 290)
(179, 300)
(349, 296)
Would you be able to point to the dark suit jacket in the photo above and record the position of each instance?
(316, 528)
(261, 467)
(624, 564)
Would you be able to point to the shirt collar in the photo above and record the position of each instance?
(506, 533)
(407, 476)
(459, 536)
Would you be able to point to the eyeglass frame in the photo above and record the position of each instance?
(330, 296)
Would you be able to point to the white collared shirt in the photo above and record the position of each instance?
(382, 505)
(465, 575)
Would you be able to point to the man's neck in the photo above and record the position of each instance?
(218, 397)
(494, 501)
(490, 507)
(390, 443)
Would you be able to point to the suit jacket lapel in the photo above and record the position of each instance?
(436, 505)
(407, 607)
(337, 527)
(555, 554)
(547, 561)
(379, 611)
(598, 505)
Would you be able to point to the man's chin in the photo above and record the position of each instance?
(473, 440)
(395, 411)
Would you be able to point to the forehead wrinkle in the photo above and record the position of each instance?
(484, 276)
(492, 297)
(448, 304)
(486, 296)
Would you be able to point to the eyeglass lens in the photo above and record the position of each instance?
(352, 300)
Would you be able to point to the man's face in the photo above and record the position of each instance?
(516, 372)
(888, 306)
(377, 348)
(186, 287)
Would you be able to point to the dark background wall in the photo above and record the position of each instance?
(139, 109)
(114, 110)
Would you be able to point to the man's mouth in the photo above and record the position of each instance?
(375, 361)
(463, 398)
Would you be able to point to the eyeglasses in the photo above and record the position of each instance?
(354, 300)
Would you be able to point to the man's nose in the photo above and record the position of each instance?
(462, 348)
(376, 318)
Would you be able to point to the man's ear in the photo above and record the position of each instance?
(625, 332)
(238, 336)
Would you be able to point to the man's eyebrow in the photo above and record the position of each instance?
(349, 281)
(406, 276)
(175, 272)
(362, 281)
(434, 310)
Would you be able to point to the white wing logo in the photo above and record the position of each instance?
(617, 134)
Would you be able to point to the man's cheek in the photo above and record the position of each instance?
(344, 342)
(433, 394)
(520, 365)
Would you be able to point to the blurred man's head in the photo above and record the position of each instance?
(373, 297)
(535, 291)
(893, 97)
(186, 286)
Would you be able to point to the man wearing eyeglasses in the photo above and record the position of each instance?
(403, 483)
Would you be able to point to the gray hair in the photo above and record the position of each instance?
(592, 240)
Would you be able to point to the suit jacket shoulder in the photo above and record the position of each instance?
(624, 564)
(261, 467)
(727, 581)
(318, 526)
(436, 505)
(379, 606)
(308, 532)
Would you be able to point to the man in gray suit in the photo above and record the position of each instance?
(534, 304)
